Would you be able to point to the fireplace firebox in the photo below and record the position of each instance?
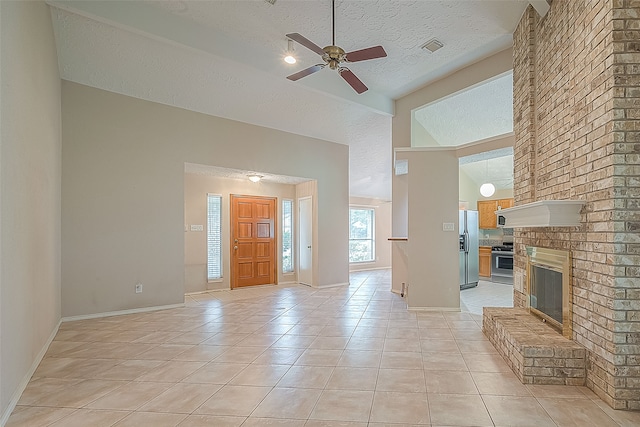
(549, 287)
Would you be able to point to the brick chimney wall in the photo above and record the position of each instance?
(577, 128)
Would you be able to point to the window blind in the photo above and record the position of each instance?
(287, 236)
(214, 241)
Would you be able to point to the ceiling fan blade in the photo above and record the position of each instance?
(353, 81)
(306, 72)
(368, 53)
(306, 43)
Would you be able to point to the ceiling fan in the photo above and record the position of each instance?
(334, 56)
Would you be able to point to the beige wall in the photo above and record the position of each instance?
(432, 254)
(382, 232)
(468, 191)
(196, 188)
(123, 194)
(30, 197)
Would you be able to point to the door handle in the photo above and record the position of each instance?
(235, 247)
(235, 240)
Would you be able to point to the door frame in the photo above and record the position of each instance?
(301, 221)
(232, 277)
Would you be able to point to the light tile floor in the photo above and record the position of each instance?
(486, 294)
(293, 356)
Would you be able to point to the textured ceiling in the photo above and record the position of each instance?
(224, 58)
(481, 112)
(494, 166)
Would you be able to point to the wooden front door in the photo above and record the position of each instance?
(253, 241)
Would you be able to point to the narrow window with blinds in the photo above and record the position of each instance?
(287, 236)
(214, 240)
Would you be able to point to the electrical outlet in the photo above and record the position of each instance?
(139, 288)
(448, 226)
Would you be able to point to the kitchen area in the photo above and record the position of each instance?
(486, 257)
(486, 246)
(495, 242)
(486, 187)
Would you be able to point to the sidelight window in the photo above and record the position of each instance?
(214, 240)
(287, 236)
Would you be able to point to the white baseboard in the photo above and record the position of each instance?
(206, 292)
(25, 380)
(368, 269)
(332, 285)
(451, 309)
(121, 312)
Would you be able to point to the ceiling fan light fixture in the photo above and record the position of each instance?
(334, 56)
(432, 45)
(254, 177)
(290, 59)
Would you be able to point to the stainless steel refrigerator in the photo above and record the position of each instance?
(468, 249)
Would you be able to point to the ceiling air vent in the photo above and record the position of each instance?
(271, 1)
(432, 45)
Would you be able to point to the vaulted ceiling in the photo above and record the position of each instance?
(225, 58)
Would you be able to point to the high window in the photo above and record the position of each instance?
(214, 241)
(287, 236)
(361, 235)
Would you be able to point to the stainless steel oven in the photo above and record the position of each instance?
(502, 265)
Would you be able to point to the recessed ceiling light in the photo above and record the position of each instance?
(432, 45)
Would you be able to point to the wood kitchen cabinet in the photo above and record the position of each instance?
(484, 269)
(487, 211)
(505, 203)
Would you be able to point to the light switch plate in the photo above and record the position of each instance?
(448, 226)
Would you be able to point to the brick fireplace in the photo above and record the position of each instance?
(577, 129)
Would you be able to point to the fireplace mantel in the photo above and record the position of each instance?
(544, 213)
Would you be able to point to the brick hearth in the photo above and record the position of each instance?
(536, 352)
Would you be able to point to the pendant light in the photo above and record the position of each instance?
(487, 189)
